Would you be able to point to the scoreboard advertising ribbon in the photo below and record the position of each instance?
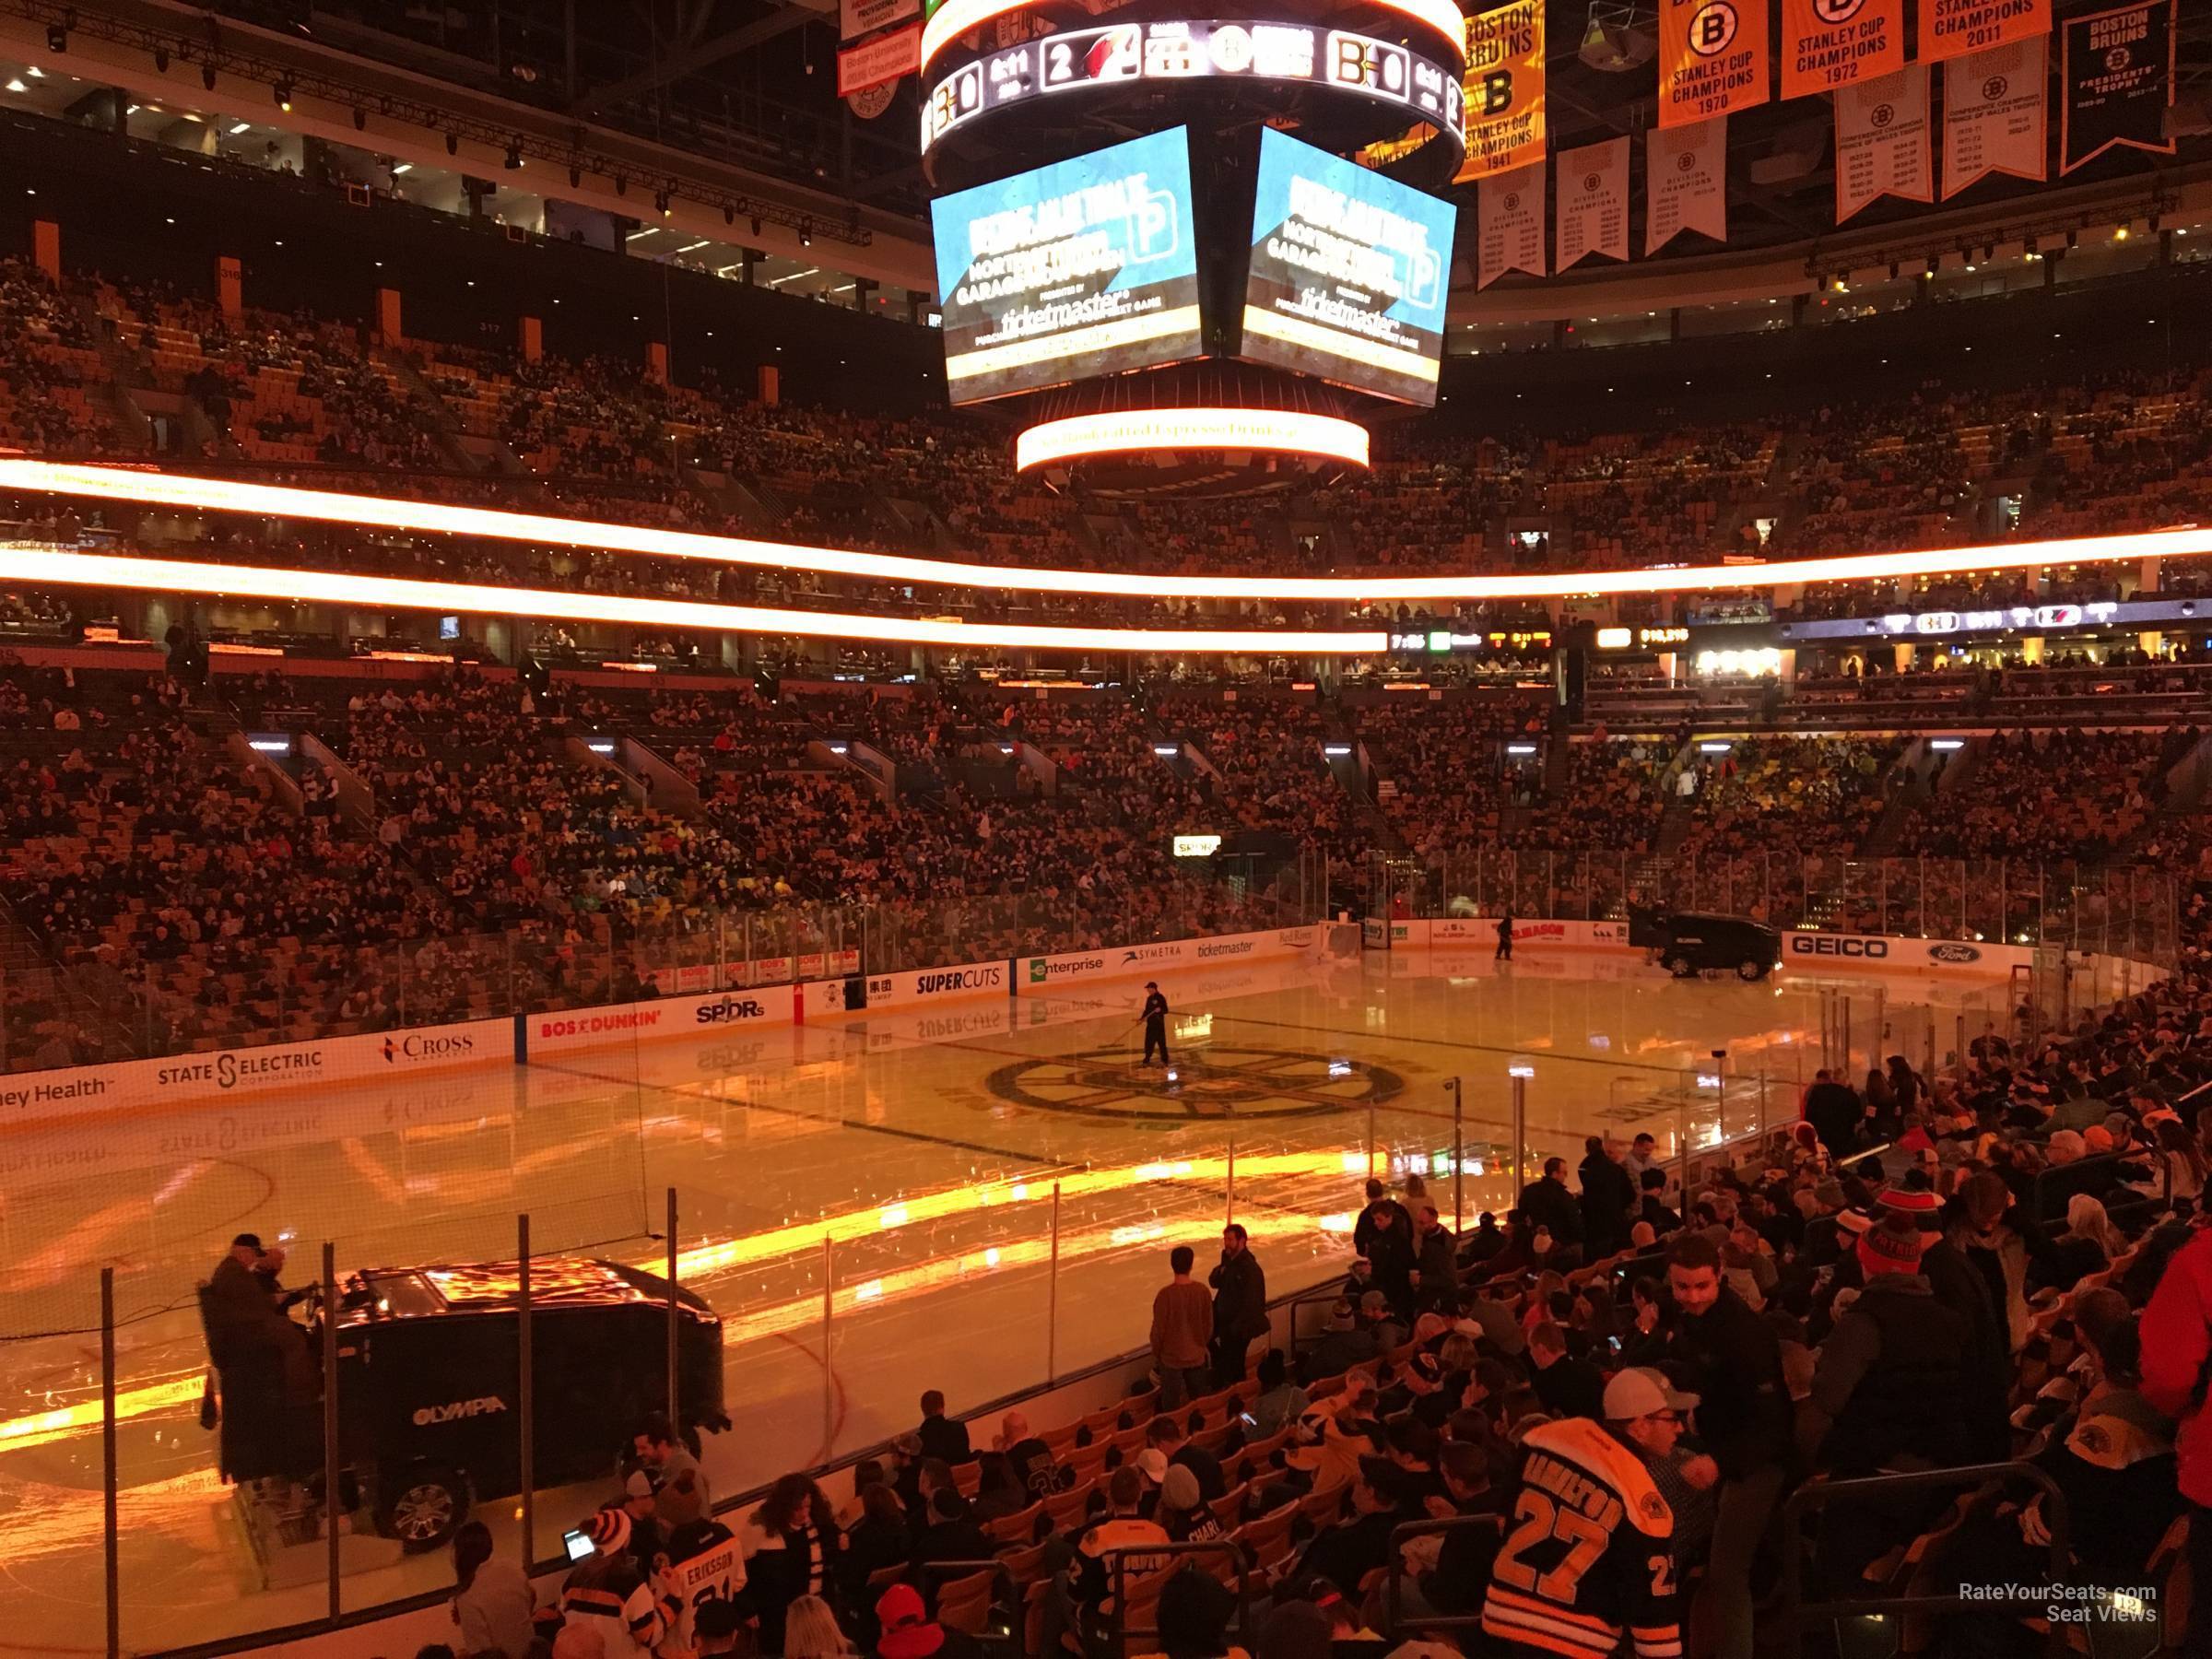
(1882, 141)
(1712, 58)
(1831, 43)
(1593, 207)
(1953, 27)
(1086, 268)
(1348, 272)
(2118, 83)
(1994, 114)
(1504, 84)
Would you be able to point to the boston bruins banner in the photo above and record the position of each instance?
(1882, 141)
(1509, 219)
(2118, 82)
(1952, 28)
(1505, 89)
(1712, 58)
(1831, 43)
(1993, 114)
(1686, 182)
(1593, 202)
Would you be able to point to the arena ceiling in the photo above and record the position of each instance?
(752, 83)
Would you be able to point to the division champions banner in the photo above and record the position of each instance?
(2118, 83)
(1593, 202)
(1712, 58)
(1508, 216)
(1686, 182)
(1504, 88)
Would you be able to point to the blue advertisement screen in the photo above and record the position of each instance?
(1088, 266)
(1348, 273)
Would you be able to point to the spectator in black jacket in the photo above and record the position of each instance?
(1378, 1200)
(942, 1437)
(1732, 1360)
(1653, 1207)
(1390, 1259)
(1240, 1305)
(1607, 1198)
(951, 1534)
(1546, 1202)
(1568, 1386)
(1836, 1114)
(1436, 1262)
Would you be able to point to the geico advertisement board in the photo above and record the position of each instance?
(69, 1091)
(1044, 973)
(569, 1029)
(1816, 951)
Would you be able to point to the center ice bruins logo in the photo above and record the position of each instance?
(1215, 1083)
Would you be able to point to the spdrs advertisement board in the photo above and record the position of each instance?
(1088, 266)
(1348, 273)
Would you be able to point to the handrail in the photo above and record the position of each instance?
(1117, 1567)
(1394, 1626)
(1795, 1609)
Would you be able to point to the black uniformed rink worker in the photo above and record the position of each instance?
(1505, 937)
(1156, 1023)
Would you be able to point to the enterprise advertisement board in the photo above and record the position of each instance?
(1086, 268)
(1348, 273)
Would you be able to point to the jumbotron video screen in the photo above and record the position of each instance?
(1348, 273)
(1087, 267)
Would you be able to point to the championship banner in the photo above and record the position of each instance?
(857, 18)
(1951, 28)
(1505, 91)
(1712, 58)
(1593, 186)
(1685, 183)
(2118, 83)
(1509, 217)
(879, 61)
(1882, 141)
(1994, 114)
(1831, 43)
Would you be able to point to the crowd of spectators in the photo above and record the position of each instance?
(1814, 796)
(2061, 796)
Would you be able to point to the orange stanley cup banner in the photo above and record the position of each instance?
(1712, 58)
(1951, 28)
(1505, 89)
(1831, 43)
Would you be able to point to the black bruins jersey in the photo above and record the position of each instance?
(1588, 1552)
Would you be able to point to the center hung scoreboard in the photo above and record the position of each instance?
(1238, 241)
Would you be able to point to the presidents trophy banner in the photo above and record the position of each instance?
(1593, 184)
(1831, 43)
(1951, 28)
(1686, 182)
(2118, 83)
(1882, 141)
(1712, 58)
(1994, 114)
(1508, 217)
(1505, 91)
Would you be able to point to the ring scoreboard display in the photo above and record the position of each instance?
(1405, 87)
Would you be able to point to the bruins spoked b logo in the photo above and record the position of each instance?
(1214, 1082)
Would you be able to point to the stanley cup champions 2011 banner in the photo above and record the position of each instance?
(1712, 58)
(2118, 83)
(1505, 89)
(1953, 27)
(1994, 114)
(1686, 182)
(1831, 43)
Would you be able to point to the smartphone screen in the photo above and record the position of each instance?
(577, 1544)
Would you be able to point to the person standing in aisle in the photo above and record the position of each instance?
(1156, 1023)
(1183, 1321)
(1240, 1305)
(1505, 937)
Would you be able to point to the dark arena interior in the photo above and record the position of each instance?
(1033, 829)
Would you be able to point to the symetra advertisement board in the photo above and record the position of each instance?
(1348, 273)
(1086, 268)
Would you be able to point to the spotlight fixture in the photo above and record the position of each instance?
(514, 157)
(806, 233)
(360, 120)
(452, 144)
(282, 93)
(160, 60)
(2120, 234)
(660, 203)
(2154, 224)
(58, 38)
(1894, 270)
(756, 223)
(729, 215)
(621, 185)
(208, 76)
(2073, 238)
(575, 176)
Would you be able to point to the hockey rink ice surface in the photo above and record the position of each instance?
(910, 1156)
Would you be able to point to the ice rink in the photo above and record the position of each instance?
(972, 1197)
